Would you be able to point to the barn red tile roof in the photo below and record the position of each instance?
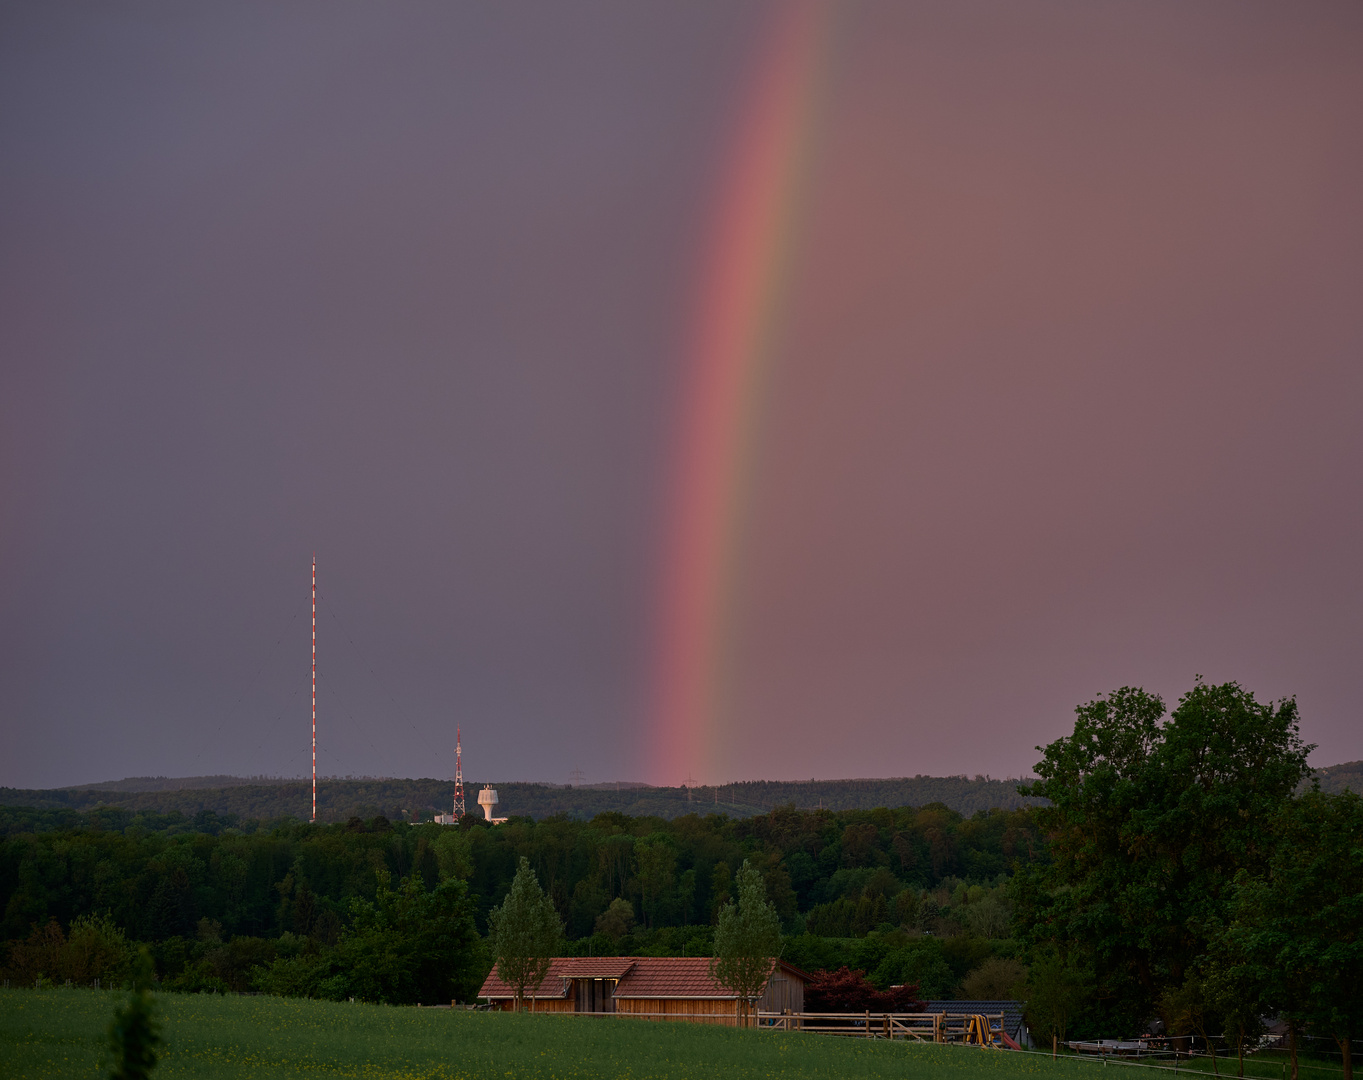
(640, 977)
(671, 977)
(554, 984)
(561, 970)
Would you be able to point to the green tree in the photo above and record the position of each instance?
(525, 932)
(96, 949)
(409, 946)
(747, 939)
(1190, 1009)
(1150, 822)
(656, 859)
(134, 1034)
(454, 854)
(1056, 990)
(615, 922)
(1297, 931)
(412, 945)
(998, 977)
(1237, 997)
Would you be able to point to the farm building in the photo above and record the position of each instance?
(656, 987)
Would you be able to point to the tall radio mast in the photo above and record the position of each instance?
(314, 687)
(458, 776)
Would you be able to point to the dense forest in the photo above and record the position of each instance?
(221, 899)
(338, 800)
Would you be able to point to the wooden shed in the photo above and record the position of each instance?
(647, 987)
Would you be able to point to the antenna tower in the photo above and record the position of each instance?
(458, 775)
(314, 687)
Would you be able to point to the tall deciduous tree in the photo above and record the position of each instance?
(1150, 823)
(525, 932)
(747, 939)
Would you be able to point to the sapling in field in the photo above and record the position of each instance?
(525, 932)
(134, 1034)
(747, 939)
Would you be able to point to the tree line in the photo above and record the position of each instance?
(420, 800)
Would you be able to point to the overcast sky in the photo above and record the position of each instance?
(1068, 397)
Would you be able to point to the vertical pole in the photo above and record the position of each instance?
(314, 687)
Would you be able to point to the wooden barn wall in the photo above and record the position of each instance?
(693, 1009)
(782, 993)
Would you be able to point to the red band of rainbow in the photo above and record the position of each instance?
(745, 278)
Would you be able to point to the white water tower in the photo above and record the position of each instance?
(487, 799)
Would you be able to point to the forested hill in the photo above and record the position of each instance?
(338, 800)
(1346, 777)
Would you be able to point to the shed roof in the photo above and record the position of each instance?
(553, 985)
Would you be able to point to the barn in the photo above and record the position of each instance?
(648, 987)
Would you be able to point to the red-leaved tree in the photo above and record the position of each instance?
(849, 991)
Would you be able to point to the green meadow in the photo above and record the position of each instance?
(60, 1033)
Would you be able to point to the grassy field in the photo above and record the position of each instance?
(60, 1033)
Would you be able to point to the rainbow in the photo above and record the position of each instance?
(745, 276)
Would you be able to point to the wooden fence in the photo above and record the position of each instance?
(975, 1029)
(980, 1029)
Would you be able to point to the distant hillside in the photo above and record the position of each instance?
(178, 783)
(262, 799)
(1337, 778)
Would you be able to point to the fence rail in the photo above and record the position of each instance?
(978, 1029)
(981, 1029)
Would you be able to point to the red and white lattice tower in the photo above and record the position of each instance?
(458, 775)
(314, 687)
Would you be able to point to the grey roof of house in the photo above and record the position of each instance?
(1012, 1010)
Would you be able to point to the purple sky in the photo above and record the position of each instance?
(1070, 399)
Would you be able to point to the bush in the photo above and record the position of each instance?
(95, 949)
